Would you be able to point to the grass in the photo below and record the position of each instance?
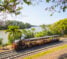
(2, 30)
(51, 50)
(65, 36)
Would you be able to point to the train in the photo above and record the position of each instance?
(27, 43)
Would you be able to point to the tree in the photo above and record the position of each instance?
(11, 6)
(1, 41)
(5, 24)
(44, 27)
(57, 6)
(59, 27)
(40, 34)
(28, 33)
(14, 33)
(27, 25)
(33, 30)
(15, 23)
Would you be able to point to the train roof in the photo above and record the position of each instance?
(37, 38)
(41, 37)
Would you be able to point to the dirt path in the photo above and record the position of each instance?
(6, 48)
(54, 55)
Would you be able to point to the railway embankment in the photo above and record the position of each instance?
(34, 51)
(51, 53)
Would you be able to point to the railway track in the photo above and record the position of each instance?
(13, 54)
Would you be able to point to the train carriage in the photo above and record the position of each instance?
(27, 43)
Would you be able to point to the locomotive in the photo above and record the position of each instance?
(27, 43)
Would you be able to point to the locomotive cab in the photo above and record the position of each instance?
(15, 44)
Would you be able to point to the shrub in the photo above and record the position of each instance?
(1, 41)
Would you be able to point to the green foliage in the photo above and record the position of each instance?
(40, 34)
(27, 2)
(31, 33)
(32, 29)
(27, 25)
(14, 33)
(47, 0)
(49, 33)
(13, 6)
(1, 41)
(10, 6)
(28, 33)
(59, 27)
(61, 4)
(43, 27)
(14, 23)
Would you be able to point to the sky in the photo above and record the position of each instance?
(36, 14)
